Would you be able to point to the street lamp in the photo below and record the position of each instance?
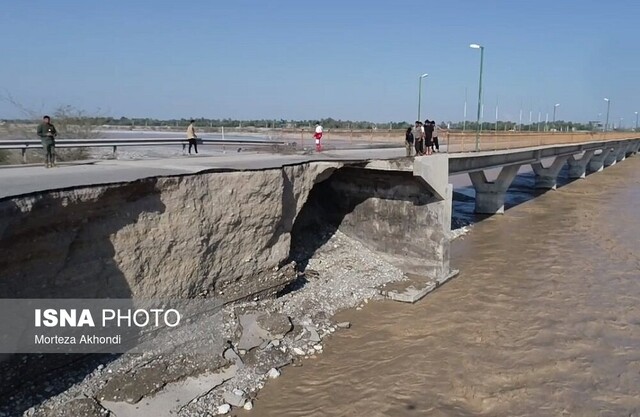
(420, 92)
(555, 106)
(636, 121)
(481, 48)
(606, 124)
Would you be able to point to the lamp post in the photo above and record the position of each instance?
(636, 121)
(555, 106)
(481, 48)
(606, 124)
(420, 92)
(496, 115)
(464, 119)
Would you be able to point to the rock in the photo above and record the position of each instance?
(317, 347)
(85, 407)
(260, 328)
(100, 367)
(344, 325)
(277, 325)
(231, 355)
(132, 387)
(273, 373)
(275, 343)
(248, 406)
(234, 398)
(313, 334)
(298, 351)
(223, 409)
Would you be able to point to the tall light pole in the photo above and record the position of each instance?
(481, 48)
(606, 125)
(464, 120)
(636, 121)
(420, 92)
(496, 115)
(555, 106)
(520, 117)
(539, 116)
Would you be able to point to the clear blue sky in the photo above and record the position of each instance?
(296, 59)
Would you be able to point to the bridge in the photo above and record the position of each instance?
(228, 222)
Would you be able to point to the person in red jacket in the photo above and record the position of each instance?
(318, 137)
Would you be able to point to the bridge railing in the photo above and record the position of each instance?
(466, 142)
(24, 144)
(457, 141)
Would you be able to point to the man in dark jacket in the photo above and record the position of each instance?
(47, 133)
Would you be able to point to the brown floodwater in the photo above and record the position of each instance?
(543, 320)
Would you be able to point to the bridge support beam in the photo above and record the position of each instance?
(622, 152)
(596, 164)
(612, 155)
(546, 178)
(490, 195)
(578, 167)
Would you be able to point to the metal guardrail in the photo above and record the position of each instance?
(25, 144)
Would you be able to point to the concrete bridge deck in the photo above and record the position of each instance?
(21, 180)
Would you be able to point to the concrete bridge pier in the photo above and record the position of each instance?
(596, 164)
(612, 155)
(578, 167)
(546, 178)
(490, 195)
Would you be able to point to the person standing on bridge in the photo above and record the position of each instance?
(436, 141)
(192, 137)
(47, 133)
(408, 140)
(428, 137)
(418, 138)
(318, 137)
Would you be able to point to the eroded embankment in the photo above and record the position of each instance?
(321, 232)
(224, 234)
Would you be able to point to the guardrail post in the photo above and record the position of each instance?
(115, 151)
(24, 155)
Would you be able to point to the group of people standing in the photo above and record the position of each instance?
(423, 137)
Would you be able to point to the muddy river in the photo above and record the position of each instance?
(543, 320)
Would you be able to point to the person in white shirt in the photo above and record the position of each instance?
(318, 137)
(192, 137)
(418, 138)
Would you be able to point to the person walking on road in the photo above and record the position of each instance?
(47, 133)
(408, 140)
(418, 138)
(318, 137)
(192, 137)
